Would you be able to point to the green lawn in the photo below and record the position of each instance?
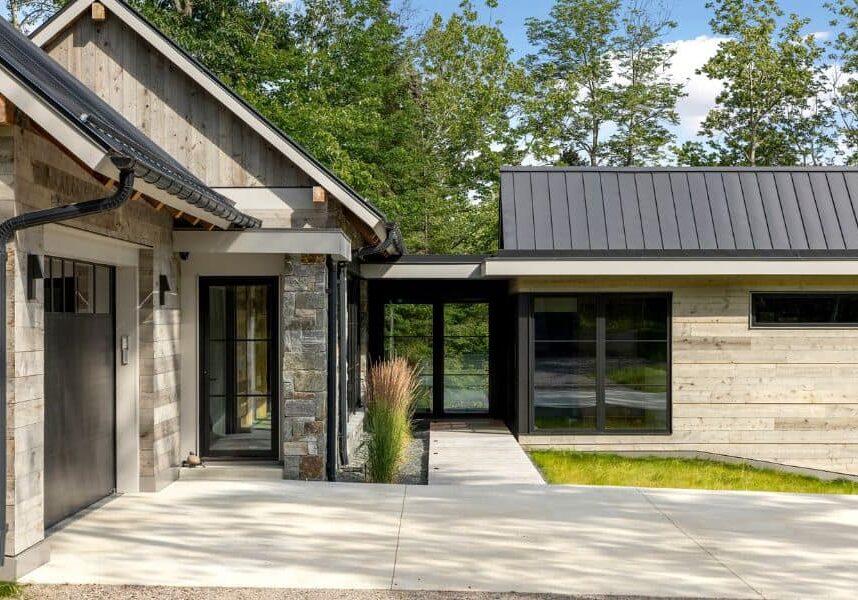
(610, 469)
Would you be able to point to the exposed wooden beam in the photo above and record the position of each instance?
(159, 205)
(7, 112)
(195, 220)
(179, 214)
(211, 226)
(136, 196)
(98, 12)
(318, 194)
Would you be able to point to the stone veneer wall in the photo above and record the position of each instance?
(304, 304)
(34, 174)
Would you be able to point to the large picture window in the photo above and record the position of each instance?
(811, 309)
(601, 363)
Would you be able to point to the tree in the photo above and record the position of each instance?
(571, 97)
(601, 69)
(844, 84)
(26, 15)
(465, 90)
(644, 97)
(767, 112)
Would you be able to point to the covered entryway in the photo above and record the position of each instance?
(80, 388)
(452, 330)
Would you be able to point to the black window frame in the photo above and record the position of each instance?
(94, 299)
(753, 323)
(600, 429)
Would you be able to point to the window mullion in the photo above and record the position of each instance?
(600, 363)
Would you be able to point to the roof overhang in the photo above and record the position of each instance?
(503, 267)
(90, 153)
(265, 241)
(250, 117)
(426, 267)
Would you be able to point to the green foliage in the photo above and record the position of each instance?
(769, 111)
(600, 67)
(644, 379)
(586, 468)
(10, 589)
(844, 50)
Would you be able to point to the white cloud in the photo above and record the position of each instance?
(690, 55)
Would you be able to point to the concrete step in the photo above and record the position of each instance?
(232, 471)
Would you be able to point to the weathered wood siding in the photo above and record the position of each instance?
(173, 110)
(783, 395)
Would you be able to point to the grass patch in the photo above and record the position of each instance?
(9, 589)
(587, 468)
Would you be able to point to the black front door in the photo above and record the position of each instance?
(80, 407)
(238, 358)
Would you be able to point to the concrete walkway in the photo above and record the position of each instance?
(477, 453)
(564, 539)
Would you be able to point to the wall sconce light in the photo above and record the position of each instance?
(34, 273)
(163, 288)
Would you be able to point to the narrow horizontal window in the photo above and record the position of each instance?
(813, 309)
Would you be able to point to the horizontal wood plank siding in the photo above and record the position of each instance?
(782, 395)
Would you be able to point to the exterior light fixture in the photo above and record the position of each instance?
(163, 288)
(34, 273)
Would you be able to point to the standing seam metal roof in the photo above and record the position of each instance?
(692, 211)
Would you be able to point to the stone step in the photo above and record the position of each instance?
(239, 471)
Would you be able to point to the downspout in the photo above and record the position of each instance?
(393, 238)
(7, 231)
(331, 390)
(342, 325)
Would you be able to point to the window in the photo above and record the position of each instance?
(600, 363)
(814, 309)
(77, 287)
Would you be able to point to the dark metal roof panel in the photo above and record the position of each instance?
(95, 119)
(688, 210)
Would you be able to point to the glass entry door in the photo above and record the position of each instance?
(238, 410)
(449, 343)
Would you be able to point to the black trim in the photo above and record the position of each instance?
(205, 284)
(331, 388)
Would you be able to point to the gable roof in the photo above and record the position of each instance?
(349, 198)
(680, 211)
(42, 82)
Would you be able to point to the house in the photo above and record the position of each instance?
(182, 276)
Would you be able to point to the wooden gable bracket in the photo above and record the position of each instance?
(98, 12)
(7, 111)
(318, 194)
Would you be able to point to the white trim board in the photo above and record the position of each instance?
(264, 241)
(664, 267)
(463, 270)
(69, 242)
(273, 136)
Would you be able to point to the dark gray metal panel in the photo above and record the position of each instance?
(757, 222)
(809, 211)
(613, 212)
(543, 230)
(720, 212)
(577, 211)
(702, 211)
(631, 210)
(559, 211)
(792, 215)
(738, 212)
(684, 211)
(827, 212)
(524, 211)
(595, 211)
(80, 412)
(666, 211)
(843, 206)
(649, 211)
(509, 240)
(851, 180)
(771, 207)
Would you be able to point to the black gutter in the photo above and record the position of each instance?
(7, 231)
(331, 389)
(393, 238)
(342, 360)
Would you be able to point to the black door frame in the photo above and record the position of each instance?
(438, 293)
(273, 363)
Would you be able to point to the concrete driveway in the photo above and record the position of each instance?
(565, 539)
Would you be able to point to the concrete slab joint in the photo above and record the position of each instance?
(304, 306)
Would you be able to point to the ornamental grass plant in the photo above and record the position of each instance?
(392, 389)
